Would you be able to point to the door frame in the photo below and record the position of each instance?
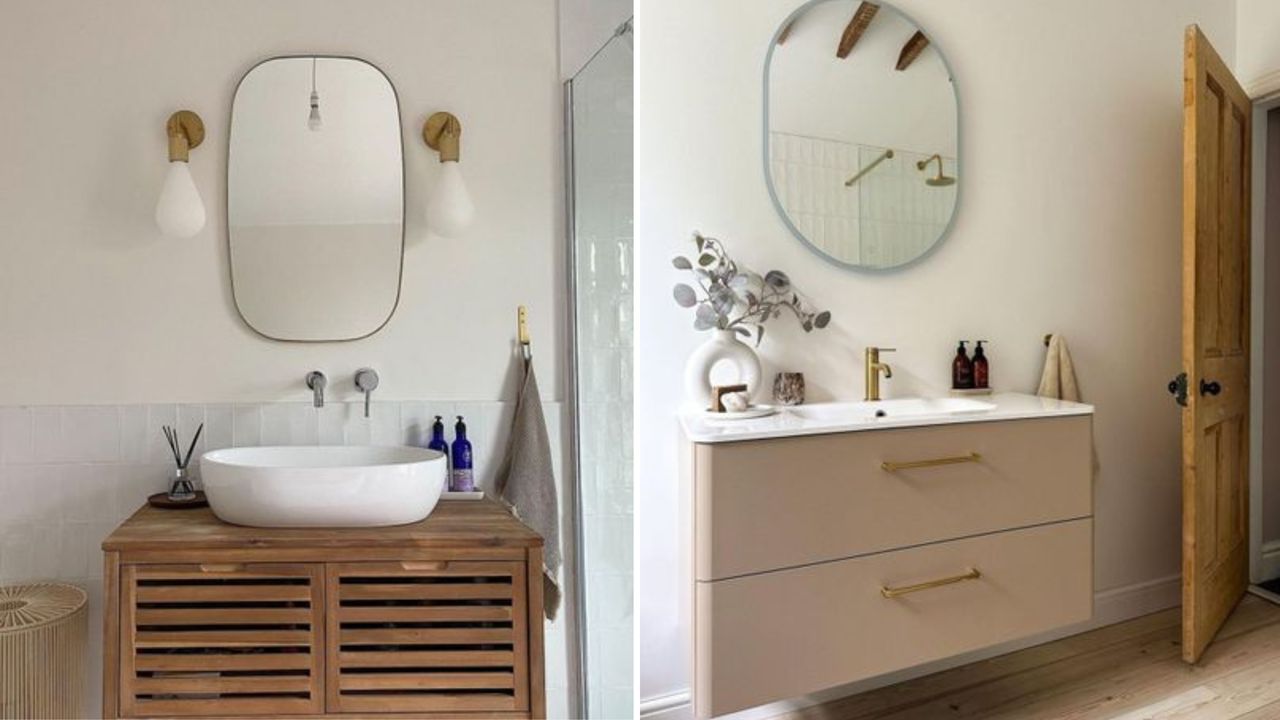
(1265, 97)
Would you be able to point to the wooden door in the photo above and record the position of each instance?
(1215, 344)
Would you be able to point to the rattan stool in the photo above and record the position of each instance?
(43, 630)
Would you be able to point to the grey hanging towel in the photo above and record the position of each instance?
(527, 483)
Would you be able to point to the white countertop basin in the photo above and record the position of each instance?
(836, 417)
(336, 486)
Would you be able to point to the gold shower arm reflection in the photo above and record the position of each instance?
(887, 154)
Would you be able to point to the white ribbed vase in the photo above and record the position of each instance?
(723, 345)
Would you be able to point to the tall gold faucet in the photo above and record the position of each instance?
(874, 368)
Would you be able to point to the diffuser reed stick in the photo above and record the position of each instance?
(181, 489)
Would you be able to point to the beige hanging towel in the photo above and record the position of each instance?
(1059, 377)
(527, 483)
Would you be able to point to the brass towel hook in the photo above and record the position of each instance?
(522, 331)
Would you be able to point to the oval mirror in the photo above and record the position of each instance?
(315, 198)
(861, 133)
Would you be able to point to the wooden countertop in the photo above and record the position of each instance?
(453, 524)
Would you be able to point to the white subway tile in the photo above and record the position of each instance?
(331, 423)
(135, 435)
(157, 417)
(356, 428)
(246, 425)
(46, 434)
(16, 540)
(304, 423)
(190, 418)
(415, 423)
(46, 551)
(74, 552)
(218, 429)
(91, 434)
(15, 429)
(277, 425)
(87, 492)
(384, 423)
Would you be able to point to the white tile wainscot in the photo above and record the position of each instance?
(70, 474)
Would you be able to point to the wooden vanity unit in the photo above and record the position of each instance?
(441, 618)
(830, 557)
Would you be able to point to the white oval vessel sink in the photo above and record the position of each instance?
(899, 408)
(323, 486)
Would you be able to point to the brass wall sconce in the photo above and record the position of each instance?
(180, 212)
(449, 208)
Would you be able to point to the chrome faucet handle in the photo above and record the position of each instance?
(316, 382)
(887, 349)
(367, 382)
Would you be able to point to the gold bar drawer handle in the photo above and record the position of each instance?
(891, 592)
(935, 462)
(221, 567)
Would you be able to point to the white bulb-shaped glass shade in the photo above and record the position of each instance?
(179, 213)
(313, 120)
(450, 210)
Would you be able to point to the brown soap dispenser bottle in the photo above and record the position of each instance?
(962, 369)
(981, 368)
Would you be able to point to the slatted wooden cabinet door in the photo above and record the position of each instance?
(221, 639)
(427, 637)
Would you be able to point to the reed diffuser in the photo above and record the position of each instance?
(181, 490)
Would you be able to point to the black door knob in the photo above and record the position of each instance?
(1210, 388)
(1178, 388)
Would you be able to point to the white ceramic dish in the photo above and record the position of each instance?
(755, 411)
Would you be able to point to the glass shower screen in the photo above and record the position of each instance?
(599, 112)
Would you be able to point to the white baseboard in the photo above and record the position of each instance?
(1270, 560)
(1109, 607)
(676, 706)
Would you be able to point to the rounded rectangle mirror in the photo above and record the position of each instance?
(861, 133)
(315, 198)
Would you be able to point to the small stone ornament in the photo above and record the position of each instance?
(788, 388)
(735, 402)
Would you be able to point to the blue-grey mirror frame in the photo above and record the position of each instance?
(768, 170)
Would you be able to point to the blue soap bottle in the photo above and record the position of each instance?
(438, 443)
(463, 479)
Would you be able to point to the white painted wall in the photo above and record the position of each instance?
(1257, 52)
(97, 307)
(585, 26)
(350, 171)
(1070, 223)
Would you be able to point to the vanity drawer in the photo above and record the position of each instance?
(770, 504)
(777, 635)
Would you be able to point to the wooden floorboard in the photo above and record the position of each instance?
(1129, 671)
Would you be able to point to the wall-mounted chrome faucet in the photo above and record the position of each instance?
(366, 382)
(316, 382)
